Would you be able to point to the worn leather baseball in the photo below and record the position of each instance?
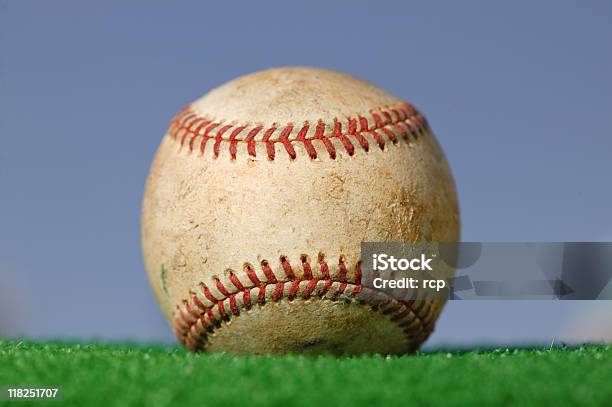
(257, 202)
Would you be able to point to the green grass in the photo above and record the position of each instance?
(156, 376)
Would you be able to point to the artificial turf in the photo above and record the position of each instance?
(131, 375)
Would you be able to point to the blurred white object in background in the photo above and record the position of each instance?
(17, 304)
(592, 322)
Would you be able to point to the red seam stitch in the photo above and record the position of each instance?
(398, 114)
(324, 269)
(261, 296)
(404, 134)
(221, 309)
(293, 289)
(190, 311)
(236, 282)
(252, 275)
(363, 122)
(188, 123)
(343, 271)
(326, 288)
(390, 135)
(387, 116)
(278, 292)
(287, 268)
(284, 138)
(412, 129)
(307, 270)
(250, 140)
(352, 127)
(348, 146)
(233, 305)
(377, 120)
(269, 144)
(339, 291)
(312, 284)
(192, 333)
(320, 135)
(207, 293)
(196, 133)
(176, 119)
(183, 126)
(203, 144)
(205, 135)
(270, 277)
(358, 273)
(210, 128)
(301, 137)
(362, 142)
(183, 317)
(219, 138)
(187, 127)
(379, 140)
(221, 288)
(178, 327)
(246, 299)
(234, 142)
(210, 316)
(198, 303)
(312, 152)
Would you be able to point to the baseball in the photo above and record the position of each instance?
(257, 202)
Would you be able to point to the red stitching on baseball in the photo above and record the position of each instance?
(198, 303)
(221, 309)
(251, 274)
(246, 299)
(261, 297)
(339, 291)
(193, 325)
(250, 140)
(221, 288)
(189, 310)
(312, 153)
(343, 271)
(287, 268)
(284, 138)
(219, 138)
(207, 293)
(350, 148)
(293, 289)
(312, 284)
(269, 144)
(326, 288)
(234, 142)
(306, 268)
(268, 272)
(320, 135)
(233, 305)
(324, 268)
(236, 281)
(363, 122)
(278, 292)
(396, 123)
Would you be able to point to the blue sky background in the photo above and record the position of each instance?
(518, 93)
